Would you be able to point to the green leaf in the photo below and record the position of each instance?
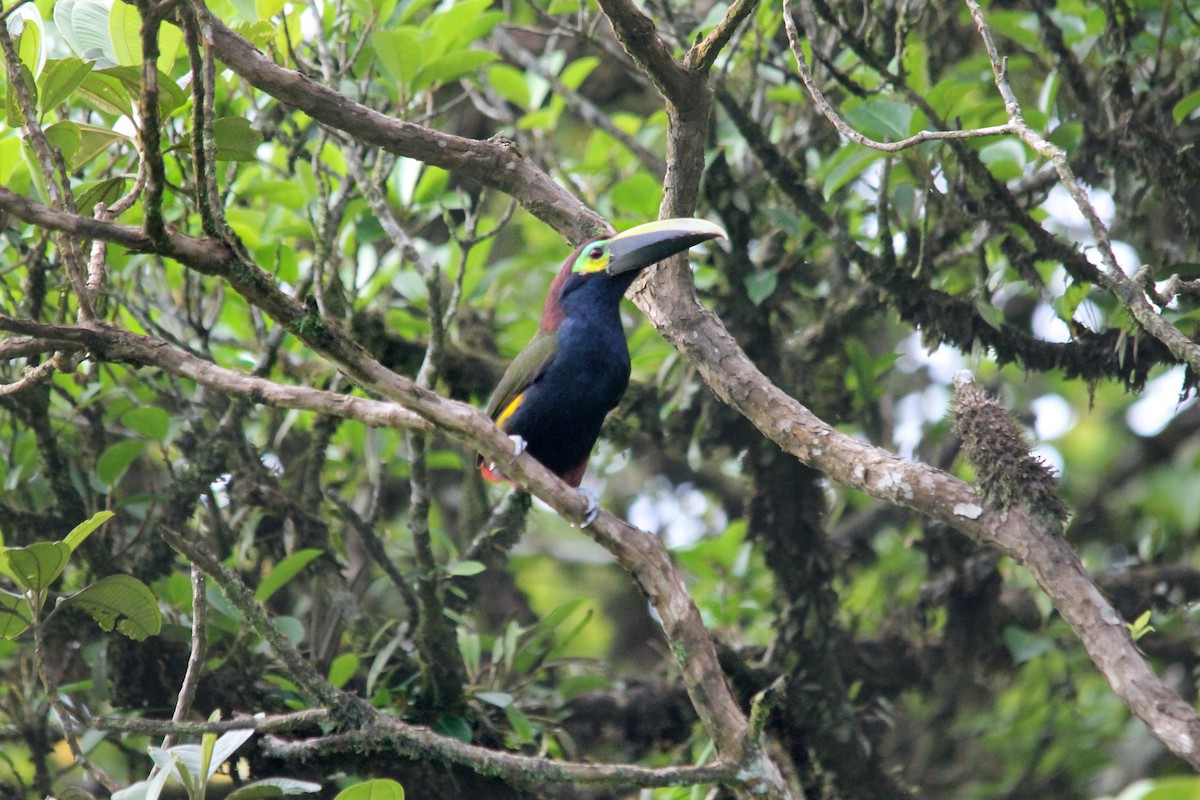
(464, 569)
(577, 71)
(61, 77)
(125, 28)
(123, 602)
(400, 54)
(1066, 304)
(1186, 105)
(846, 165)
(274, 787)
(66, 137)
(498, 699)
(85, 529)
(283, 572)
(373, 790)
(881, 119)
(1005, 158)
(342, 669)
(95, 140)
(25, 22)
(455, 727)
(521, 726)
(760, 285)
(1025, 646)
(638, 196)
(12, 109)
(150, 421)
(15, 615)
(37, 566)
(450, 67)
(235, 139)
(509, 82)
(106, 94)
(114, 461)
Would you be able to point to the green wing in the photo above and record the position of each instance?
(526, 368)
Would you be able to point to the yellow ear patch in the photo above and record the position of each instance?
(593, 258)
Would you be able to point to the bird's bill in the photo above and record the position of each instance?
(650, 243)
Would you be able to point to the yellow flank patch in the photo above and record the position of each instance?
(509, 410)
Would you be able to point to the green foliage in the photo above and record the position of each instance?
(373, 790)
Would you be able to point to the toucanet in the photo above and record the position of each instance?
(556, 393)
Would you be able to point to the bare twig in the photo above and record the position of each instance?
(824, 106)
(1112, 277)
(191, 678)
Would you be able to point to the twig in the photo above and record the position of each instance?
(111, 343)
(1112, 277)
(846, 130)
(191, 678)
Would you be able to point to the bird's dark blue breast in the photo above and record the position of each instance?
(561, 413)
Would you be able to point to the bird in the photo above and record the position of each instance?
(555, 394)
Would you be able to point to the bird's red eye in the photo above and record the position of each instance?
(595, 253)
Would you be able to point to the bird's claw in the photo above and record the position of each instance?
(593, 507)
(519, 445)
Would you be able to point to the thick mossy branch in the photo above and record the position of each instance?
(995, 445)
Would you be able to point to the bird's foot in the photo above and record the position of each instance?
(519, 445)
(593, 507)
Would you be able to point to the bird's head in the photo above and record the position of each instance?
(614, 261)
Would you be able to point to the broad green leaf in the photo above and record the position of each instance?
(760, 285)
(12, 108)
(106, 94)
(410, 8)
(1005, 158)
(125, 28)
(450, 67)
(1024, 645)
(61, 77)
(881, 119)
(342, 669)
(15, 616)
(283, 572)
(235, 139)
(455, 727)
(638, 196)
(35, 567)
(509, 82)
(521, 726)
(1186, 105)
(381, 789)
(498, 699)
(123, 602)
(170, 96)
(846, 166)
(95, 140)
(85, 529)
(149, 421)
(273, 787)
(65, 136)
(25, 22)
(432, 184)
(464, 569)
(574, 74)
(10, 158)
(400, 54)
(84, 24)
(114, 461)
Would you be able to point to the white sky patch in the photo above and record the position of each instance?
(682, 514)
(1047, 326)
(942, 363)
(1050, 455)
(1158, 405)
(1054, 417)
(1066, 218)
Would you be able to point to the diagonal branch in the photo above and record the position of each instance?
(493, 162)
